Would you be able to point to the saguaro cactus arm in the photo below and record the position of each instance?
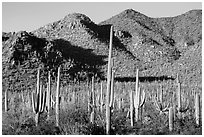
(38, 101)
(38, 104)
(143, 98)
(184, 109)
(139, 98)
(159, 106)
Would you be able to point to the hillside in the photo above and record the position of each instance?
(154, 45)
(80, 31)
(24, 53)
(147, 40)
(162, 42)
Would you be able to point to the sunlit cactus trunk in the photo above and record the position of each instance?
(48, 95)
(89, 103)
(101, 98)
(197, 108)
(131, 108)
(181, 108)
(57, 97)
(108, 109)
(171, 119)
(38, 80)
(139, 97)
(112, 89)
(179, 97)
(161, 94)
(6, 100)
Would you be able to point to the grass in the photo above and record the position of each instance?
(74, 117)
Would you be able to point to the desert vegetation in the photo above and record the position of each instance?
(64, 79)
(161, 110)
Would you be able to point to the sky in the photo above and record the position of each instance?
(28, 16)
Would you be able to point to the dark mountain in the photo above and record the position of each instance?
(154, 45)
(23, 53)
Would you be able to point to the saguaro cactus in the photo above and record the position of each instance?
(48, 100)
(108, 110)
(89, 100)
(160, 107)
(171, 119)
(160, 94)
(92, 117)
(57, 97)
(181, 109)
(197, 108)
(38, 103)
(38, 100)
(6, 100)
(112, 89)
(101, 98)
(131, 108)
(139, 100)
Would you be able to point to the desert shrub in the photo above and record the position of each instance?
(93, 129)
(187, 126)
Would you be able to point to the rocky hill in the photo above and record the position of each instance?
(80, 31)
(162, 42)
(157, 46)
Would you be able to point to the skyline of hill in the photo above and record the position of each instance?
(154, 45)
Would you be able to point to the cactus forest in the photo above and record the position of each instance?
(61, 89)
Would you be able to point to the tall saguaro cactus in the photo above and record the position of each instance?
(139, 98)
(108, 110)
(131, 108)
(112, 89)
(48, 100)
(88, 98)
(6, 100)
(181, 109)
(171, 119)
(57, 97)
(92, 117)
(38, 100)
(179, 96)
(101, 98)
(197, 108)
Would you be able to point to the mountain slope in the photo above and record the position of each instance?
(80, 31)
(160, 42)
(147, 40)
(157, 46)
(24, 53)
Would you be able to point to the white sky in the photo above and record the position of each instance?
(29, 16)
